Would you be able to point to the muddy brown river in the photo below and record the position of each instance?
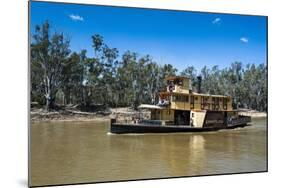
(79, 152)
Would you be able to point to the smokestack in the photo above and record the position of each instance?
(199, 80)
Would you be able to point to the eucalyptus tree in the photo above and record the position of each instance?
(73, 78)
(235, 82)
(49, 54)
(205, 74)
(255, 87)
(111, 81)
(110, 63)
(101, 72)
(153, 80)
(125, 78)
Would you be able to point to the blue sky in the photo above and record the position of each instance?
(176, 37)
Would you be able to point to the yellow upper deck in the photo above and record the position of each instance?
(178, 84)
(179, 96)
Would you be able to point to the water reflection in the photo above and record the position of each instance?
(84, 152)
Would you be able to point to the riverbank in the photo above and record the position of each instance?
(125, 114)
(71, 114)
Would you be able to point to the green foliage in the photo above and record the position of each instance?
(48, 57)
(61, 77)
(247, 86)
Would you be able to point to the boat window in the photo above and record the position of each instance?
(178, 82)
(175, 98)
(178, 98)
(204, 102)
(225, 103)
(191, 102)
(213, 103)
(181, 98)
(170, 82)
(170, 85)
(217, 103)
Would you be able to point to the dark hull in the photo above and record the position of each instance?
(119, 128)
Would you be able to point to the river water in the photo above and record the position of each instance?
(80, 152)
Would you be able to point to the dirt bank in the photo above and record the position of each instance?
(122, 114)
(125, 114)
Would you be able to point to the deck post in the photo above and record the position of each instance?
(112, 121)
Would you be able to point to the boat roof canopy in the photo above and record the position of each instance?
(210, 95)
(149, 106)
(166, 93)
(177, 77)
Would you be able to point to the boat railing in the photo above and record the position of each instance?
(140, 120)
(125, 120)
(239, 120)
(152, 122)
(135, 121)
(155, 122)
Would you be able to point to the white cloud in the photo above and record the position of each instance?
(216, 21)
(244, 39)
(76, 17)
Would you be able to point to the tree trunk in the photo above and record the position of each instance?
(48, 103)
(48, 93)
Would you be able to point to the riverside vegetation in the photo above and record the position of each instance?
(65, 82)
